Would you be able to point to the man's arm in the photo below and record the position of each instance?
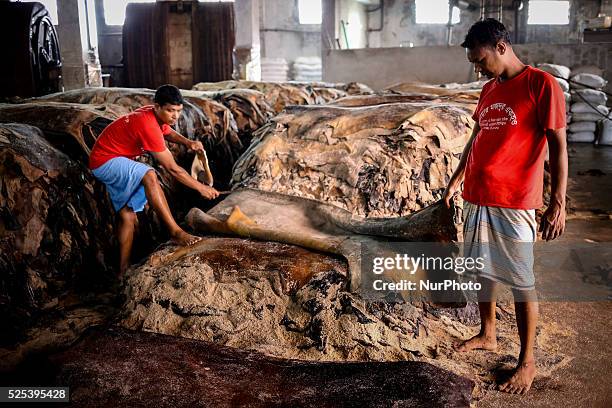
(552, 224)
(176, 137)
(459, 173)
(167, 161)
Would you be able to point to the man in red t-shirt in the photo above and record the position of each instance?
(502, 167)
(131, 184)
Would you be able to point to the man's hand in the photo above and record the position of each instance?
(208, 192)
(451, 190)
(552, 224)
(167, 161)
(457, 178)
(195, 146)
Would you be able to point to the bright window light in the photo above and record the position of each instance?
(456, 16)
(51, 6)
(310, 11)
(433, 12)
(114, 10)
(551, 12)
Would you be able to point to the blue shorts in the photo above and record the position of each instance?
(123, 180)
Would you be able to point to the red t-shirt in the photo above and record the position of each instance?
(505, 166)
(129, 136)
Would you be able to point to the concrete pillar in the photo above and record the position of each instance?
(247, 39)
(77, 36)
(328, 31)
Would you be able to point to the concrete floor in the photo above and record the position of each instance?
(586, 381)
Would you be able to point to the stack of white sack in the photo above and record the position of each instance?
(605, 132)
(274, 70)
(307, 69)
(561, 74)
(588, 107)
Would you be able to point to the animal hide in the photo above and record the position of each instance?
(322, 227)
(56, 227)
(374, 161)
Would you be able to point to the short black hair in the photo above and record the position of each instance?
(487, 32)
(168, 94)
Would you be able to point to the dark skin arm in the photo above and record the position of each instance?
(179, 173)
(459, 173)
(552, 224)
(166, 159)
(176, 137)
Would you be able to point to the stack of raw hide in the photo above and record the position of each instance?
(468, 92)
(394, 97)
(376, 161)
(278, 95)
(56, 227)
(355, 88)
(326, 95)
(350, 88)
(70, 127)
(248, 107)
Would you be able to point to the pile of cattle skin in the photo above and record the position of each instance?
(281, 94)
(375, 155)
(53, 215)
(380, 160)
(57, 224)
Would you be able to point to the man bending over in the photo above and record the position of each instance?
(132, 184)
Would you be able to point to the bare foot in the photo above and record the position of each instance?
(521, 380)
(182, 238)
(478, 342)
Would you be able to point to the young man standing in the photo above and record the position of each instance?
(132, 184)
(502, 166)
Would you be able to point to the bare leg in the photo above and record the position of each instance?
(526, 320)
(125, 235)
(156, 197)
(486, 339)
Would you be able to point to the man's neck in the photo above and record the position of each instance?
(159, 121)
(514, 68)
